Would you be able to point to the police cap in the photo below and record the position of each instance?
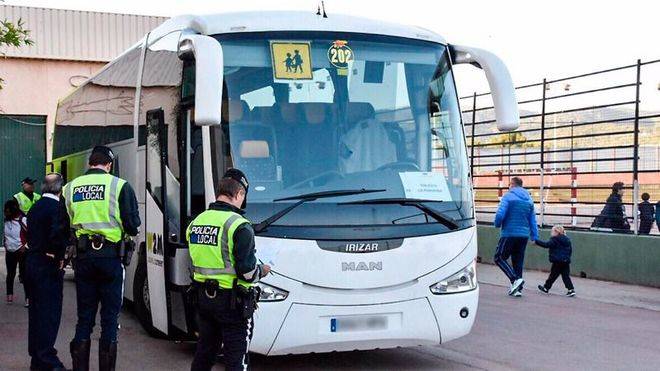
(238, 176)
(101, 155)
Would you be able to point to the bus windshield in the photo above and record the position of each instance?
(308, 112)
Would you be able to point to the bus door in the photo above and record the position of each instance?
(156, 215)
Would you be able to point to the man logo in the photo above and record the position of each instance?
(362, 266)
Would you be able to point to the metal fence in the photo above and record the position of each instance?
(578, 135)
(22, 152)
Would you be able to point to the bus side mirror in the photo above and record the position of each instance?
(207, 53)
(499, 80)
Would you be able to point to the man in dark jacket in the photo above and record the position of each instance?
(47, 239)
(646, 214)
(516, 216)
(613, 215)
(559, 253)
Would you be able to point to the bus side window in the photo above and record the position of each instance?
(115, 167)
(161, 89)
(63, 171)
(197, 199)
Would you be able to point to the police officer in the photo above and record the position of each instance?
(26, 198)
(221, 245)
(103, 210)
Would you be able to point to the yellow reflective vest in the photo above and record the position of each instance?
(92, 201)
(211, 246)
(24, 202)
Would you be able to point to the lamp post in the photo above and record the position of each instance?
(573, 184)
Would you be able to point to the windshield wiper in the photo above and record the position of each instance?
(418, 203)
(305, 198)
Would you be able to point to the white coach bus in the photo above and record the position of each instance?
(350, 133)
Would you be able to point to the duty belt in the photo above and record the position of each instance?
(96, 246)
(210, 288)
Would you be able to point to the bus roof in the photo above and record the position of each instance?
(290, 21)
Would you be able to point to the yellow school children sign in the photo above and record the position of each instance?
(292, 60)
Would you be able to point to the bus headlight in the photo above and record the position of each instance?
(461, 281)
(271, 293)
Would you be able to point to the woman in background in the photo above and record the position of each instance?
(15, 244)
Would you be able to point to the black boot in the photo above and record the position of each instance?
(107, 356)
(80, 354)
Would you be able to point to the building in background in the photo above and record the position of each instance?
(69, 47)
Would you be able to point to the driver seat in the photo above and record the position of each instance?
(368, 144)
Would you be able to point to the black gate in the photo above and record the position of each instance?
(578, 135)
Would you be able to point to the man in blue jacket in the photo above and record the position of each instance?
(517, 219)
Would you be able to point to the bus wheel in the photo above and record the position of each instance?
(141, 300)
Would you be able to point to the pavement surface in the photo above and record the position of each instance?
(608, 326)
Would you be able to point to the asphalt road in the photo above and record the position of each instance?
(537, 332)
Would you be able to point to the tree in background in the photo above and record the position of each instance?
(513, 139)
(13, 35)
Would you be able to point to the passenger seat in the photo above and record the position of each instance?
(321, 136)
(253, 145)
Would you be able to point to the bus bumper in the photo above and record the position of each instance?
(307, 328)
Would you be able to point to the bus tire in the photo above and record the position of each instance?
(141, 300)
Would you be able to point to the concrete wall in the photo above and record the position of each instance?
(611, 257)
(33, 86)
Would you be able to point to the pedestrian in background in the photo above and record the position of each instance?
(15, 240)
(517, 219)
(559, 253)
(646, 214)
(657, 215)
(613, 215)
(26, 197)
(44, 274)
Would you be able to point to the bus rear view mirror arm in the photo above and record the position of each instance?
(499, 80)
(207, 53)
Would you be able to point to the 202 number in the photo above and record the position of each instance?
(340, 56)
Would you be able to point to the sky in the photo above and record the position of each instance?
(536, 39)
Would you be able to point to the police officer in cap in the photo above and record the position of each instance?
(103, 211)
(221, 245)
(26, 198)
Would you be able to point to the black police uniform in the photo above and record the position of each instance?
(100, 279)
(221, 320)
(47, 242)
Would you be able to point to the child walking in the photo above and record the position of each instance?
(288, 62)
(560, 250)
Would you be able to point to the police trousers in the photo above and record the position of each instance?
(99, 281)
(220, 324)
(45, 281)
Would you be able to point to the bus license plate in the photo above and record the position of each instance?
(358, 323)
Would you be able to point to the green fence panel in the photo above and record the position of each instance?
(22, 152)
(614, 257)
